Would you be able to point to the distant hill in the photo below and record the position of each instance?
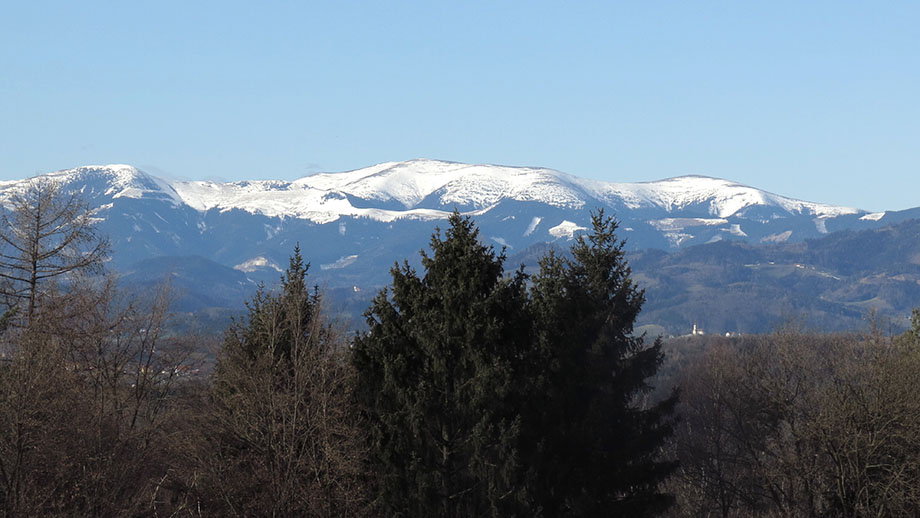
(195, 282)
(831, 283)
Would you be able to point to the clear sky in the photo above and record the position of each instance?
(816, 100)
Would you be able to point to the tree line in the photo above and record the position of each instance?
(474, 391)
(800, 424)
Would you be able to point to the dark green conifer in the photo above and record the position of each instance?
(593, 448)
(438, 380)
(276, 321)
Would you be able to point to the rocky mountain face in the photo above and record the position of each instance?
(353, 226)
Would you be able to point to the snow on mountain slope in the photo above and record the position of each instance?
(460, 184)
(429, 189)
(724, 198)
(114, 181)
(565, 229)
(287, 199)
(322, 197)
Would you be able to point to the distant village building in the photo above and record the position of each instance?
(697, 330)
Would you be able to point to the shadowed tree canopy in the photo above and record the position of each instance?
(437, 374)
(592, 444)
(484, 398)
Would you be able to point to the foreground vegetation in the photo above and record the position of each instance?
(799, 424)
(473, 393)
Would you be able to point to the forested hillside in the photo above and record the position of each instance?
(829, 284)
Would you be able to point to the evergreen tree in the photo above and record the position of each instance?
(591, 445)
(276, 324)
(438, 380)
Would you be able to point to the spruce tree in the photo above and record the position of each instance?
(438, 374)
(277, 324)
(591, 445)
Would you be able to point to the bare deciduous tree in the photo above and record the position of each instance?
(799, 424)
(88, 406)
(283, 438)
(45, 235)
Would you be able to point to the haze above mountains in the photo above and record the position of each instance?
(354, 225)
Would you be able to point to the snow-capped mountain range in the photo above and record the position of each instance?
(422, 189)
(354, 225)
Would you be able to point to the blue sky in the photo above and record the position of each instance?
(816, 100)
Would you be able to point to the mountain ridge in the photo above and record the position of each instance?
(354, 226)
(475, 187)
(360, 215)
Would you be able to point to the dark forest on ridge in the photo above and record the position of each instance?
(475, 390)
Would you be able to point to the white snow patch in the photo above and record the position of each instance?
(270, 231)
(714, 239)
(342, 228)
(875, 216)
(533, 225)
(256, 263)
(777, 238)
(341, 262)
(677, 238)
(667, 224)
(735, 230)
(565, 229)
(821, 225)
(501, 241)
